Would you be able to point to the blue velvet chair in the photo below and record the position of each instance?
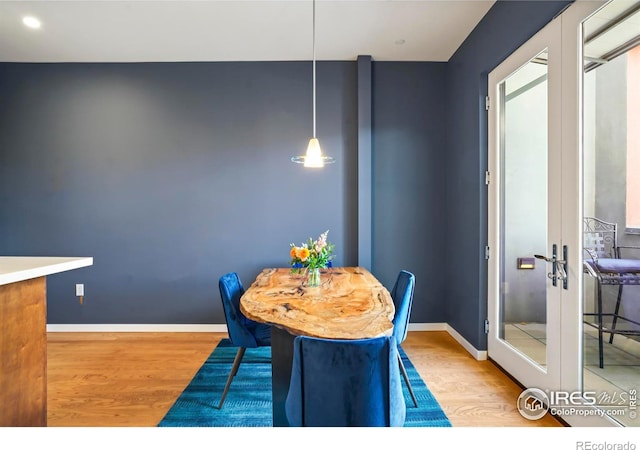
(402, 295)
(243, 332)
(345, 383)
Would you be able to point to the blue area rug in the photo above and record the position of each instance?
(248, 402)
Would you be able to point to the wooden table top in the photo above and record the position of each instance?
(349, 304)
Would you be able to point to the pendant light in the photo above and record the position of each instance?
(313, 157)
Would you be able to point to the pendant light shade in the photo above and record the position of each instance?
(313, 157)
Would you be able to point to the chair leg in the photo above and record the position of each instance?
(406, 379)
(615, 314)
(232, 373)
(600, 349)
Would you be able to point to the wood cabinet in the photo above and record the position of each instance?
(23, 337)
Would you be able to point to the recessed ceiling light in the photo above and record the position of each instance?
(31, 22)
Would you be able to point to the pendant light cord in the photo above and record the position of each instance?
(314, 68)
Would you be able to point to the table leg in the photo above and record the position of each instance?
(281, 361)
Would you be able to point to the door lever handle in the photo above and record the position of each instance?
(560, 265)
(559, 270)
(553, 260)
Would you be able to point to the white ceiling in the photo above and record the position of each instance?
(239, 30)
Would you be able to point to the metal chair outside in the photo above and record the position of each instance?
(603, 261)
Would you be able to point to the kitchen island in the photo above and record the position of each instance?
(23, 335)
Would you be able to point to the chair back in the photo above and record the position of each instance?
(600, 238)
(402, 295)
(345, 383)
(231, 290)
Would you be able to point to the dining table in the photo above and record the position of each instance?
(349, 303)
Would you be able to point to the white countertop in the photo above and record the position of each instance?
(20, 268)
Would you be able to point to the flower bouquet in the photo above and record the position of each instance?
(311, 256)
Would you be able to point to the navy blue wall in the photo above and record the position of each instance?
(169, 175)
(408, 160)
(506, 26)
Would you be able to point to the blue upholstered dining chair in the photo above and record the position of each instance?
(345, 383)
(402, 295)
(243, 332)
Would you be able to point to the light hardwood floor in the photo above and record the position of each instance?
(132, 379)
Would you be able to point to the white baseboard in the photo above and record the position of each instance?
(134, 328)
(191, 328)
(222, 328)
(480, 355)
(427, 327)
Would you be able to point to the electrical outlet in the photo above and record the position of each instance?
(79, 290)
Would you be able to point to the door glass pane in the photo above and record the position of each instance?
(611, 99)
(524, 195)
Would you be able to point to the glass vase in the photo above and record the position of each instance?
(313, 277)
(297, 271)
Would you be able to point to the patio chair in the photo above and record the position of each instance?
(603, 261)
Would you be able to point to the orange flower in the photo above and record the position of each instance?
(303, 254)
(293, 252)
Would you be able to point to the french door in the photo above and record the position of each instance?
(535, 209)
(527, 270)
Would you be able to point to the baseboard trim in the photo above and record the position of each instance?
(135, 328)
(190, 328)
(427, 327)
(222, 328)
(480, 355)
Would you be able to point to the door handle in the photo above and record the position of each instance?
(560, 266)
